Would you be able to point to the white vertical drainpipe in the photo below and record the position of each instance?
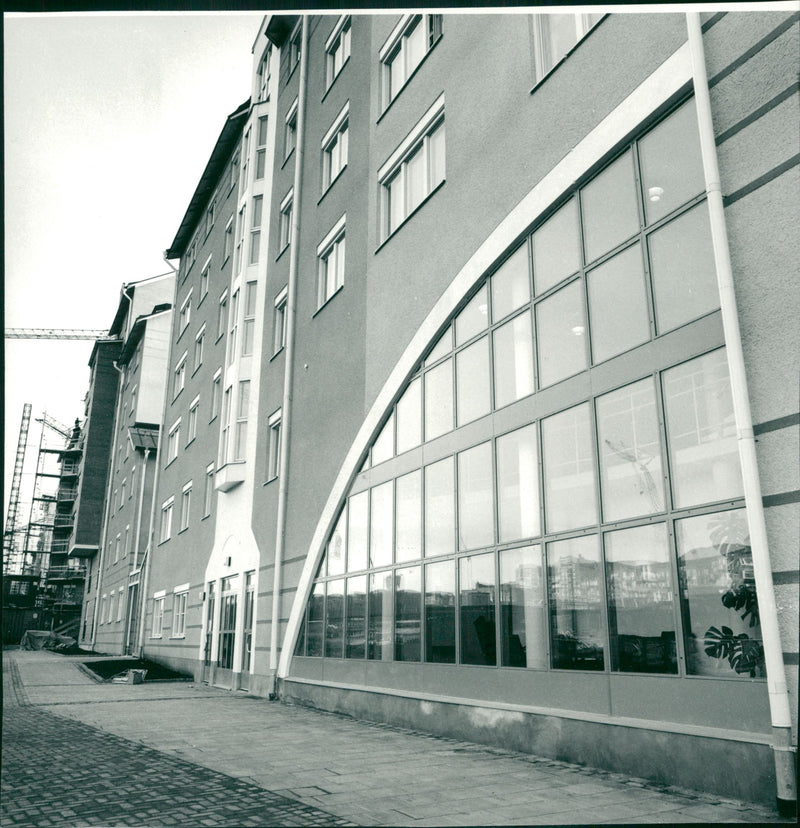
(783, 751)
(288, 375)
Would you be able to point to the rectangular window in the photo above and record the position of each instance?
(166, 520)
(179, 376)
(120, 603)
(334, 619)
(133, 401)
(199, 342)
(290, 131)
(226, 426)
(245, 159)
(173, 436)
(261, 148)
(408, 614)
(234, 171)
(477, 602)
(440, 612)
(255, 229)
(522, 613)
(208, 490)
(179, 615)
(210, 216)
(408, 44)
(316, 620)
(475, 500)
(237, 260)
(222, 314)
(274, 451)
(117, 547)
(126, 545)
(337, 49)
(518, 484)
(295, 46)
(227, 622)
(228, 243)
(286, 220)
(133, 482)
(264, 75)
(249, 323)
(186, 503)
(158, 617)
(381, 616)
(185, 314)
(240, 437)
(555, 35)
(234, 326)
(204, 276)
(356, 606)
(334, 148)
(414, 170)
(122, 488)
(331, 257)
(216, 394)
(279, 321)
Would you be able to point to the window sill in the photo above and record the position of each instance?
(181, 531)
(412, 213)
(270, 480)
(283, 250)
(277, 353)
(177, 637)
(197, 369)
(407, 80)
(331, 183)
(552, 69)
(283, 163)
(329, 299)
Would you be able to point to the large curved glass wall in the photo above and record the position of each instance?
(558, 487)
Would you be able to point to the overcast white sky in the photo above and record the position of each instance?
(109, 122)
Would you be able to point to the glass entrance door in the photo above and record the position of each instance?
(211, 603)
(247, 630)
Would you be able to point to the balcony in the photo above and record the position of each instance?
(63, 521)
(66, 573)
(70, 469)
(67, 493)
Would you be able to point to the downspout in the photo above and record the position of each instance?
(288, 374)
(783, 751)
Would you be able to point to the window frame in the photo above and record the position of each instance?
(583, 26)
(208, 490)
(173, 439)
(216, 395)
(396, 47)
(205, 278)
(285, 221)
(199, 347)
(333, 245)
(186, 505)
(290, 131)
(274, 445)
(179, 603)
(339, 38)
(157, 629)
(279, 321)
(332, 145)
(185, 314)
(165, 527)
(191, 420)
(250, 306)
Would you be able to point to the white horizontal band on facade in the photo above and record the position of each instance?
(434, 111)
(670, 78)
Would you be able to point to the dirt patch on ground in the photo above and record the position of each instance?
(108, 669)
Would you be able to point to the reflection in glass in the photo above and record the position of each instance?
(672, 167)
(511, 284)
(440, 513)
(575, 577)
(409, 417)
(316, 620)
(355, 641)
(474, 392)
(561, 332)
(556, 248)
(569, 482)
(408, 523)
(383, 447)
(334, 619)
(513, 360)
(357, 532)
(524, 625)
(701, 431)
(618, 317)
(439, 400)
(440, 612)
(718, 596)
(408, 614)
(641, 619)
(630, 452)
(518, 484)
(475, 500)
(609, 208)
(684, 276)
(474, 318)
(477, 587)
(381, 524)
(381, 613)
(336, 545)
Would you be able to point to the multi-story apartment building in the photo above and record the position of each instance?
(486, 294)
(112, 621)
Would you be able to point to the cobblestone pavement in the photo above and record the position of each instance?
(80, 753)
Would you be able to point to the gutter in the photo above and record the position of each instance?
(779, 706)
(288, 375)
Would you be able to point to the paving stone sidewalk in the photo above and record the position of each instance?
(81, 753)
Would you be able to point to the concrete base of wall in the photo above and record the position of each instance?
(725, 767)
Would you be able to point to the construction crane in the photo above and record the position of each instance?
(13, 500)
(56, 333)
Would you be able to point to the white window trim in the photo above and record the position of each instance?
(120, 603)
(325, 247)
(208, 492)
(425, 123)
(160, 594)
(216, 382)
(391, 43)
(275, 419)
(169, 503)
(206, 268)
(291, 115)
(334, 132)
(288, 200)
(180, 368)
(173, 428)
(222, 317)
(194, 405)
(338, 31)
(280, 299)
(336, 125)
(331, 236)
(583, 26)
(186, 304)
(199, 335)
(184, 519)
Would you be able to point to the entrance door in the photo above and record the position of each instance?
(211, 604)
(247, 630)
(132, 620)
(223, 675)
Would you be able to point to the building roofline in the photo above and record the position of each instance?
(137, 331)
(129, 288)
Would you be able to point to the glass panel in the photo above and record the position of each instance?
(477, 586)
(409, 417)
(436, 156)
(561, 329)
(440, 518)
(574, 575)
(336, 546)
(396, 209)
(511, 285)
(356, 617)
(381, 528)
(701, 432)
(513, 360)
(556, 248)
(379, 639)
(357, 532)
(316, 620)
(641, 616)
(416, 188)
(408, 614)
(684, 277)
(672, 167)
(522, 616)
(473, 384)
(609, 208)
(475, 500)
(334, 620)
(558, 37)
(569, 482)
(409, 517)
(518, 484)
(440, 612)
(474, 318)
(618, 318)
(383, 447)
(439, 400)
(442, 347)
(718, 596)
(630, 452)
(415, 47)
